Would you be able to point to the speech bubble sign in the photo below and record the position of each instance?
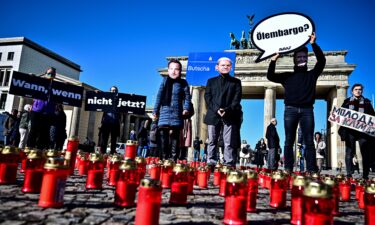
(282, 33)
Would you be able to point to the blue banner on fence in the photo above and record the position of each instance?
(201, 66)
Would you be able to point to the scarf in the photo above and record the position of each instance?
(167, 91)
(361, 105)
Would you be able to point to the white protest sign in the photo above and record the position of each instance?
(352, 119)
(282, 33)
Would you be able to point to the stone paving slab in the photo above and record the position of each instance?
(97, 207)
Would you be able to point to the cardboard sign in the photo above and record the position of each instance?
(352, 119)
(111, 102)
(201, 66)
(45, 89)
(282, 33)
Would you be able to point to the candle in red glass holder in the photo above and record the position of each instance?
(278, 190)
(131, 149)
(56, 172)
(179, 187)
(113, 168)
(9, 158)
(235, 198)
(335, 194)
(191, 178)
(23, 156)
(71, 152)
(83, 164)
(344, 187)
(126, 186)
(95, 171)
(297, 199)
(149, 201)
(140, 163)
(154, 171)
(370, 204)
(33, 172)
(358, 187)
(317, 204)
(202, 177)
(217, 174)
(252, 183)
(167, 173)
(267, 180)
(223, 180)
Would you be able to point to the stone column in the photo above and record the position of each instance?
(269, 106)
(21, 104)
(75, 122)
(196, 119)
(337, 152)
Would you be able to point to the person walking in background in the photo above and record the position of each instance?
(154, 139)
(273, 143)
(261, 150)
(110, 126)
(223, 99)
(24, 126)
(142, 137)
(320, 147)
(172, 102)
(9, 125)
(360, 104)
(299, 102)
(57, 129)
(355, 164)
(197, 147)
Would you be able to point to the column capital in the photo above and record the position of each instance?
(342, 86)
(270, 87)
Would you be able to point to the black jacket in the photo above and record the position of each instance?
(368, 109)
(273, 140)
(299, 85)
(223, 92)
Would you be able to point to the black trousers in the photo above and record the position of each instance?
(350, 149)
(170, 142)
(105, 131)
(39, 131)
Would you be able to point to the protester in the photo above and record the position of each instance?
(244, 153)
(41, 115)
(154, 152)
(299, 101)
(24, 126)
(57, 129)
(273, 143)
(172, 102)
(261, 150)
(110, 126)
(223, 98)
(363, 105)
(185, 138)
(320, 146)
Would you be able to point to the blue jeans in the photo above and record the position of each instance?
(196, 155)
(305, 118)
(145, 152)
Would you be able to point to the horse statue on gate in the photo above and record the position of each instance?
(234, 42)
(243, 40)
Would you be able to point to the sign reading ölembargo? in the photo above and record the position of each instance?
(282, 33)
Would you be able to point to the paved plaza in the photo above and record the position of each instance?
(97, 207)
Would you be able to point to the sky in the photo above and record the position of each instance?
(125, 42)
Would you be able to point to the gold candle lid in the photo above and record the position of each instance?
(128, 164)
(251, 174)
(317, 189)
(299, 181)
(56, 163)
(150, 183)
(236, 177)
(7, 150)
(96, 157)
(131, 142)
(179, 168)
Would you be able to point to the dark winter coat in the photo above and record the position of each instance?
(171, 115)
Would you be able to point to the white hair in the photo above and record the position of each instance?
(27, 107)
(224, 59)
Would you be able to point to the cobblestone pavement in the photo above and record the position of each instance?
(96, 207)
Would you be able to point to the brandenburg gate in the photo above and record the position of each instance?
(332, 87)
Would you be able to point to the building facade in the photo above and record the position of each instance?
(23, 55)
